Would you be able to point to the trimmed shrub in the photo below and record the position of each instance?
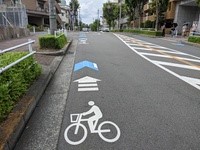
(194, 39)
(16, 80)
(52, 42)
(145, 32)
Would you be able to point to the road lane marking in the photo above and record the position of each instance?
(87, 85)
(85, 63)
(192, 80)
(176, 65)
(156, 55)
(88, 89)
(169, 56)
(162, 67)
(76, 132)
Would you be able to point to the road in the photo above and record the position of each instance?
(145, 93)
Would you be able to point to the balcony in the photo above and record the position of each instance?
(151, 18)
(146, 7)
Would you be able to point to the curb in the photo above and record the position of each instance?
(11, 129)
(191, 44)
(57, 53)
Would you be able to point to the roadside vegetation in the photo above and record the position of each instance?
(16, 80)
(52, 42)
(148, 32)
(194, 39)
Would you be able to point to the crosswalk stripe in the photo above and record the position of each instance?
(176, 65)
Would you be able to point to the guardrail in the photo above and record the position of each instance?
(31, 52)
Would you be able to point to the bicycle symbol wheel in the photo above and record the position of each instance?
(104, 135)
(71, 129)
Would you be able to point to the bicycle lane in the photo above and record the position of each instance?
(86, 88)
(145, 102)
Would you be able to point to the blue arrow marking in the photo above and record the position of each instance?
(84, 64)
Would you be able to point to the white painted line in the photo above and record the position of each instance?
(191, 80)
(94, 126)
(194, 60)
(171, 52)
(168, 56)
(156, 46)
(142, 48)
(87, 85)
(87, 89)
(156, 55)
(162, 67)
(176, 65)
(87, 79)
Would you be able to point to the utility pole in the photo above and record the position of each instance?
(98, 21)
(157, 11)
(52, 16)
(73, 14)
(120, 14)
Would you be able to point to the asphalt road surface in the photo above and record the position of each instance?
(148, 96)
(126, 93)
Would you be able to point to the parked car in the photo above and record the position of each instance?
(105, 29)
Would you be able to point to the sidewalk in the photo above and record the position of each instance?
(180, 39)
(11, 129)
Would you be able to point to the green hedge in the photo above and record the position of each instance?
(52, 42)
(194, 39)
(16, 80)
(145, 32)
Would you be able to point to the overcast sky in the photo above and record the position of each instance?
(89, 9)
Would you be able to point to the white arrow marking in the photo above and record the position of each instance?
(87, 80)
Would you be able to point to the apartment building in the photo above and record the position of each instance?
(38, 12)
(187, 11)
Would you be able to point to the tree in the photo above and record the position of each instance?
(95, 25)
(110, 13)
(74, 6)
(158, 7)
(134, 5)
(131, 8)
(198, 2)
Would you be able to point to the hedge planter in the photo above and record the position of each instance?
(144, 32)
(194, 39)
(52, 42)
(16, 80)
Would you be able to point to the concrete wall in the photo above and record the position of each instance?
(186, 14)
(9, 33)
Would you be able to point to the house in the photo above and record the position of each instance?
(65, 14)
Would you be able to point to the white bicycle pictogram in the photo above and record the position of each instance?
(104, 129)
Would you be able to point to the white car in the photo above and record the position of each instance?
(105, 29)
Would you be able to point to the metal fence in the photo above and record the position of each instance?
(31, 52)
(13, 16)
